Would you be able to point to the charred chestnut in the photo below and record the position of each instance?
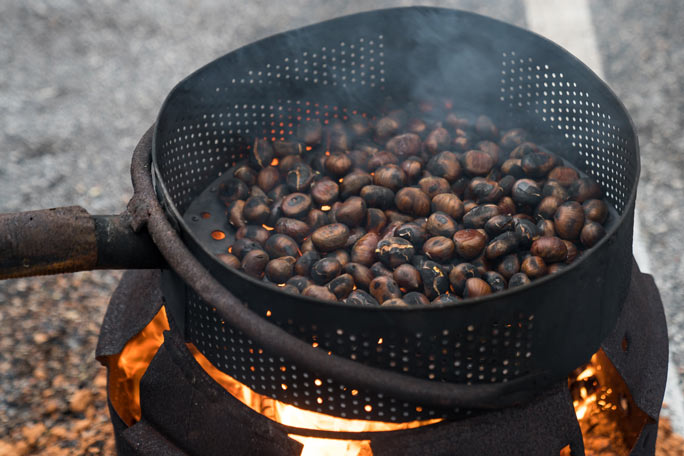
(407, 277)
(527, 192)
(255, 232)
(439, 248)
(445, 165)
(299, 178)
(495, 281)
(404, 145)
(518, 280)
(469, 243)
(377, 196)
(256, 210)
(435, 281)
(498, 224)
(538, 164)
(296, 205)
(352, 212)
(478, 162)
(584, 189)
(231, 190)
(254, 263)
(324, 270)
(479, 215)
(280, 245)
(510, 264)
(395, 251)
(475, 287)
(595, 210)
(262, 154)
(534, 267)
(280, 270)
(341, 285)
(502, 245)
(319, 292)
(486, 128)
(390, 176)
(325, 192)
(304, 263)
(548, 207)
(363, 251)
(299, 282)
(383, 288)
(338, 164)
(413, 201)
(440, 224)
(330, 237)
(438, 139)
(569, 220)
(362, 299)
(294, 228)
(459, 274)
(551, 249)
(415, 299)
(376, 220)
(361, 274)
(229, 260)
(591, 233)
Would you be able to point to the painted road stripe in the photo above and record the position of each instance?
(569, 25)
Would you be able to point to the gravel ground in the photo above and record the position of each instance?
(81, 82)
(642, 44)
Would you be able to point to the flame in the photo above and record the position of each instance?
(325, 208)
(127, 368)
(274, 162)
(269, 228)
(604, 407)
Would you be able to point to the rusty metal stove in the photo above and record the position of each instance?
(184, 411)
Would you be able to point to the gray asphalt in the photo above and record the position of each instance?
(81, 81)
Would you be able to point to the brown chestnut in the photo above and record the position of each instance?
(383, 288)
(254, 263)
(552, 249)
(469, 243)
(592, 232)
(325, 192)
(407, 277)
(569, 220)
(439, 248)
(296, 205)
(446, 165)
(475, 287)
(404, 145)
(433, 185)
(534, 267)
(448, 203)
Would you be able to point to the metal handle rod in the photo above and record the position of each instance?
(69, 239)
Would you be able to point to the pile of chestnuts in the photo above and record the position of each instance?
(407, 210)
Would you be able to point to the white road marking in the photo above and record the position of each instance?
(569, 25)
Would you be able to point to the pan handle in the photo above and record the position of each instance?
(69, 239)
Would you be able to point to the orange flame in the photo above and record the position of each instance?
(127, 368)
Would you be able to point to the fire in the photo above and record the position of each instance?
(127, 368)
(604, 407)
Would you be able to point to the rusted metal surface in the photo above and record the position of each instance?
(50, 241)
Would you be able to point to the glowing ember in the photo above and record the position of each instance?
(218, 235)
(608, 417)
